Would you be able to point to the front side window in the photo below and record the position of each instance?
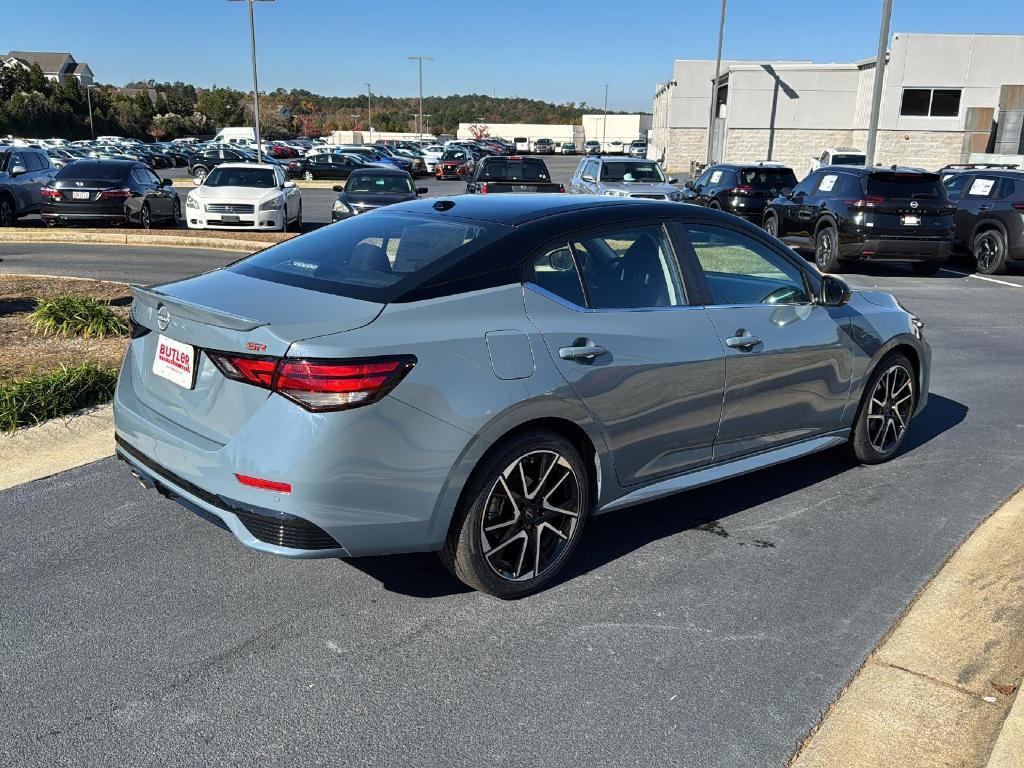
(630, 268)
(955, 185)
(639, 172)
(742, 270)
(807, 185)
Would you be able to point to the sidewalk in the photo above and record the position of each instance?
(938, 690)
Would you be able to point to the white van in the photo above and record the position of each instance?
(522, 145)
(242, 132)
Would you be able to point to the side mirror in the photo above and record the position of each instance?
(798, 195)
(673, 181)
(18, 169)
(288, 185)
(421, 190)
(689, 184)
(338, 188)
(587, 177)
(167, 183)
(833, 292)
(786, 192)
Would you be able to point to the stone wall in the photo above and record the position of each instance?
(676, 147)
(923, 149)
(794, 147)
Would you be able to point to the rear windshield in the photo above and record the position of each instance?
(92, 169)
(905, 185)
(375, 257)
(521, 139)
(767, 178)
(515, 170)
(848, 159)
(646, 172)
(373, 184)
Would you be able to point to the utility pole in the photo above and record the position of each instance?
(88, 98)
(369, 112)
(255, 84)
(714, 85)
(420, 59)
(876, 93)
(604, 120)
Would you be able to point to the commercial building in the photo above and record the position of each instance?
(940, 102)
(56, 66)
(620, 128)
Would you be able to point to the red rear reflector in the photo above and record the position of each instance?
(266, 485)
(50, 193)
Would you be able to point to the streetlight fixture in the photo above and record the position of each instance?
(421, 59)
(255, 85)
(369, 112)
(88, 98)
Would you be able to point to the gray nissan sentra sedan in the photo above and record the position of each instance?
(478, 375)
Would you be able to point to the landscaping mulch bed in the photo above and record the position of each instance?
(23, 353)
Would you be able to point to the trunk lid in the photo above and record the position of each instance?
(906, 204)
(224, 311)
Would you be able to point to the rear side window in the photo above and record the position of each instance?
(767, 178)
(375, 257)
(555, 272)
(912, 185)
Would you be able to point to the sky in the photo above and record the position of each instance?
(552, 50)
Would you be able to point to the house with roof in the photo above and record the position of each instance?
(57, 66)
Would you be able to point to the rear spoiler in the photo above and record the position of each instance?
(155, 299)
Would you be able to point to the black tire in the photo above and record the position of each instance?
(989, 249)
(145, 218)
(714, 206)
(771, 225)
(7, 217)
(826, 250)
(297, 224)
(926, 268)
(864, 442)
(176, 214)
(489, 498)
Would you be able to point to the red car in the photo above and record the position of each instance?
(454, 164)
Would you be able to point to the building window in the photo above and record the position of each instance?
(930, 102)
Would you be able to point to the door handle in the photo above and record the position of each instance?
(742, 341)
(586, 352)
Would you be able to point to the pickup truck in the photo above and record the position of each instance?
(511, 174)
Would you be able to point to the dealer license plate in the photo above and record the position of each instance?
(175, 362)
(911, 221)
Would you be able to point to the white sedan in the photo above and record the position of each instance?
(247, 196)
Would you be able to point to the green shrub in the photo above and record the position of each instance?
(37, 398)
(68, 315)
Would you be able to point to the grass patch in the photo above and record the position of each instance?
(36, 398)
(69, 315)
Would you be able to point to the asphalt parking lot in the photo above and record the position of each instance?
(710, 629)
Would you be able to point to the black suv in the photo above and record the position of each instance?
(858, 213)
(743, 190)
(24, 171)
(203, 162)
(989, 218)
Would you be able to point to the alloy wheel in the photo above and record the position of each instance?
(308, 176)
(177, 213)
(889, 409)
(530, 516)
(771, 226)
(988, 251)
(144, 221)
(823, 255)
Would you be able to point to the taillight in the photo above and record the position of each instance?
(744, 188)
(49, 193)
(332, 385)
(1019, 206)
(483, 188)
(318, 385)
(561, 187)
(871, 201)
(114, 194)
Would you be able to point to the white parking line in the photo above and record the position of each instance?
(981, 277)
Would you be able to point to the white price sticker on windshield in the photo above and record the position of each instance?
(982, 187)
(827, 182)
(715, 177)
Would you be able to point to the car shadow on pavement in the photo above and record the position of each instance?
(609, 537)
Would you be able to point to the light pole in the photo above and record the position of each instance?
(255, 85)
(88, 98)
(604, 120)
(369, 112)
(421, 59)
(714, 85)
(876, 93)
(427, 119)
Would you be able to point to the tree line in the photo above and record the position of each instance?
(32, 106)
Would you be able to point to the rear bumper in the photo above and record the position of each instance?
(360, 479)
(897, 249)
(105, 211)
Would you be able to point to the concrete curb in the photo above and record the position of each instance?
(937, 690)
(31, 453)
(133, 238)
(1009, 749)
